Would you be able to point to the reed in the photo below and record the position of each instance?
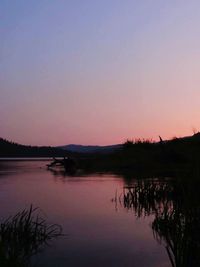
(24, 235)
(175, 206)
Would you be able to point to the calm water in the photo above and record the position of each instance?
(100, 229)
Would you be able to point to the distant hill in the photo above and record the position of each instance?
(90, 149)
(11, 149)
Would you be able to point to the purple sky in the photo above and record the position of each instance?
(98, 72)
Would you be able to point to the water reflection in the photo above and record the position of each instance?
(58, 173)
(175, 205)
(24, 235)
(62, 173)
(95, 232)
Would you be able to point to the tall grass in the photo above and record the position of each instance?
(175, 206)
(24, 235)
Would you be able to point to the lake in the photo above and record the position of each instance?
(101, 226)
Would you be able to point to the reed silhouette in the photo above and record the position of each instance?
(24, 235)
(175, 205)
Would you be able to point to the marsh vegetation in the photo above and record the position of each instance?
(154, 220)
(175, 205)
(24, 235)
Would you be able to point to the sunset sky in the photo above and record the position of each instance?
(98, 71)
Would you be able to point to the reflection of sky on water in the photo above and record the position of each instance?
(97, 234)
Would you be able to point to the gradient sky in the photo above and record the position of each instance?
(98, 71)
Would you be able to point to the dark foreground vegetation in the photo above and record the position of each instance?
(11, 149)
(175, 207)
(24, 235)
(133, 156)
(144, 156)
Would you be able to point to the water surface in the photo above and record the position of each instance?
(100, 230)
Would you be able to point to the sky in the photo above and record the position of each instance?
(98, 72)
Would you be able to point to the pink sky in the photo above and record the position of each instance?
(90, 73)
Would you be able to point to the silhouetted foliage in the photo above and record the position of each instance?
(11, 149)
(128, 144)
(137, 155)
(24, 235)
(175, 204)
